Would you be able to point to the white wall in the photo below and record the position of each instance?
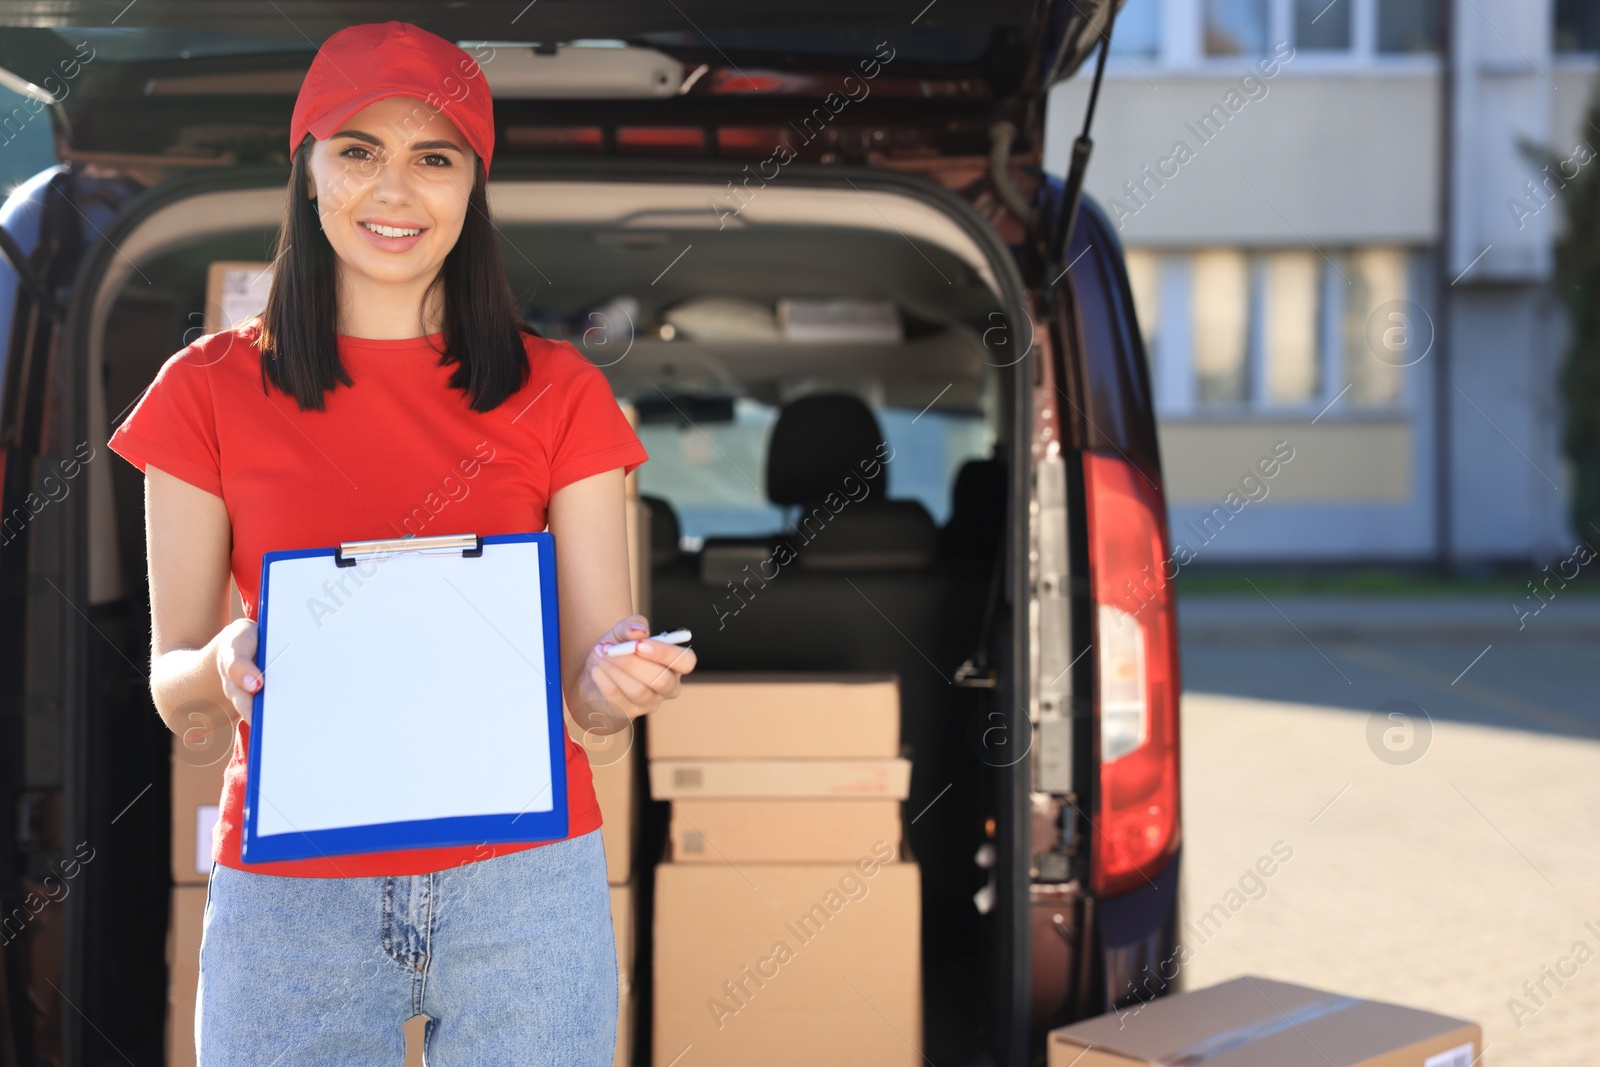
(1335, 158)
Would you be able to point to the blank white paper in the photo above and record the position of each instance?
(407, 687)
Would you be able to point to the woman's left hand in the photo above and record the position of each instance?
(635, 683)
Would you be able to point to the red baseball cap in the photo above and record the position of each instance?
(364, 63)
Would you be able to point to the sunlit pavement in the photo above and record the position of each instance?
(1448, 860)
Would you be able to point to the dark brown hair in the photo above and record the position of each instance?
(299, 334)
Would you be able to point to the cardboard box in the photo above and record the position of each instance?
(630, 484)
(622, 924)
(626, 1017)
(788, 965)
(196, 792)
(637, 517)
(781, 831)
(755, 716)
(622, 927)
(184, 924)
(199, 756)
(235, 290)
(612, 762)
(1257, 1022)
(416, 1031)
(675, 779)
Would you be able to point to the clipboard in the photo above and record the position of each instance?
(412, 698)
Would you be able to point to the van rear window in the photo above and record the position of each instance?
(714, 473)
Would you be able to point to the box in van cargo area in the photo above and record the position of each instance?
(789, 964)
(200, 754)
(622, 920)
(612, 765)
(784, 830)
(673, 779)
(188, 908)
(1258, 1022)
(196, 794)
(801, 716)
(613, 758)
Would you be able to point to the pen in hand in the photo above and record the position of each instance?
(670, 637)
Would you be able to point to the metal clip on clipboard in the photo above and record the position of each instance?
(350, 552)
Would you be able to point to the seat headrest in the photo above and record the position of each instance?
(977, 511)
(819, 441)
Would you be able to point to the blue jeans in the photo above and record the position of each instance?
(512, 959)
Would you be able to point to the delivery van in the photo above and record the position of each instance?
(797, 239)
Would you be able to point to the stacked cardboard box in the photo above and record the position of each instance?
(236, 290)
(787, 919)
(199, 756)
(615, 777)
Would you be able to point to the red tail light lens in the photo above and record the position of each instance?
(1136, 699)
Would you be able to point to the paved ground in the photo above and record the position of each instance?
(1442, 867)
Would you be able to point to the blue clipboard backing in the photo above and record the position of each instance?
(507, 827)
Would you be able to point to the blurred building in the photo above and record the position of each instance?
(1338, 241)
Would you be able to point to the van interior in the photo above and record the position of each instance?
(756, 438)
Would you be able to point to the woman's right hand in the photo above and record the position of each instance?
(236, 649)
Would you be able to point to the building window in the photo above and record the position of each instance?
(1138, 28)
(1408, 26)
(1144, 278)
(1323, 25)
(1577, 26)
(1230, 330)
(1291, 306)
(1236, 27)
(1220, 317)
(1379, 325)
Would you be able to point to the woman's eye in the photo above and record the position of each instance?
(355, 148)
(445, 160)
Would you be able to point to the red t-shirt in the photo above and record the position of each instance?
(399, 453)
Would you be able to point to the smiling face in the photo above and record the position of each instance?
(391, 188)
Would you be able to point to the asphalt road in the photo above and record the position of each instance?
(1448, 859)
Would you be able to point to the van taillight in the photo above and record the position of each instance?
(1136, 824)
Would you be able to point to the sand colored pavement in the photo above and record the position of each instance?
(1466, 881)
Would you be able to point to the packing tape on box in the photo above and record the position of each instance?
(1228, 1040)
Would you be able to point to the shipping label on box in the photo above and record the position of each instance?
(794, 716)
(780, 831)
(676, 779)
(789, 965)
